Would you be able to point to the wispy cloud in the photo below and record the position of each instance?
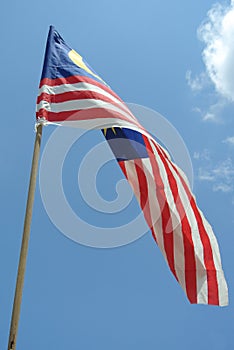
(222, 187)
(205, 175)
(198, 82)
(229, 140)
(225, 170)
(220, 175)
(209, 117)
(203, 155)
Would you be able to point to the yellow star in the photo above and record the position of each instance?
(105, 130)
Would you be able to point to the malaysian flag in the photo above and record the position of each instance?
(71, 92)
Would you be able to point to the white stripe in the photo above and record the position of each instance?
(202, 293)
(223, 288)
(97, 123)
(59, 89)
(133, 178)
(80, 105)
(222, 285)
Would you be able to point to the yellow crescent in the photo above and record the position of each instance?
(78, 60)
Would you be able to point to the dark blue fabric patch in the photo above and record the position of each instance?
(57, 63)
(125, 143)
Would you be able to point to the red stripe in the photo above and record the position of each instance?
(123, 168)
(72, 95)
(78, 95)
(189, 252)
(74, 79)
(82, 114)
(45, 97)
(213, 292)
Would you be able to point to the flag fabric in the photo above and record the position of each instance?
(71, 92)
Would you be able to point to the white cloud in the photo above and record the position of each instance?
(223, 188)
(205, 175)
(220, 175)
(217, 32)
(209, 117)
(198, 82)
(213, 112)
(196, 155)
(203, 155)
(225, 170)
(229, 140)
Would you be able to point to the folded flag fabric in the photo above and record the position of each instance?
(71, 92)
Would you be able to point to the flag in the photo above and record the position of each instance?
(71, 92)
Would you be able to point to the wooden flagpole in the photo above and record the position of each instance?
(25, 240)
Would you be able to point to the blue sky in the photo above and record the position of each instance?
(154, 54)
